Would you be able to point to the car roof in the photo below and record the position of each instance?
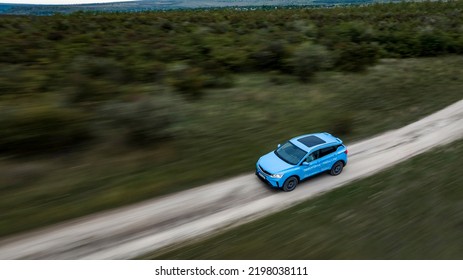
(308, 142)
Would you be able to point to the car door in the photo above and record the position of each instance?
(327, 157)
(311, 164)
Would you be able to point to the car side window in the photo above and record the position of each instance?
(313, 156)
(327, 151)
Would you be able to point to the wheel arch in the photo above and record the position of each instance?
(339, 160)
(296, 176)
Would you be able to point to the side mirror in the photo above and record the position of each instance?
(278, 146)
(305, 163)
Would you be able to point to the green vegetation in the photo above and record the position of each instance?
(411, 211)
(101, 110)
(41, 129)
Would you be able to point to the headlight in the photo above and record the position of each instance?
(276, 176)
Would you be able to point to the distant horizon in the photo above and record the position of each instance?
(60, 2)
(50, 7)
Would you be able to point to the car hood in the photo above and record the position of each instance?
(273, 164)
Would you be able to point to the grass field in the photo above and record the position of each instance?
(411, 211)
(229, 130)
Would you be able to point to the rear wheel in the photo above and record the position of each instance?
(290, 184)
(336, 169)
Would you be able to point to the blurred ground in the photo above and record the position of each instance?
(222, 135)
(135, 230)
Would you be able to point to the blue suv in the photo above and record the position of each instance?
(301, 157)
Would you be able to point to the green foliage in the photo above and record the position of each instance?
(356, 57)
(145, 121)
(147, 72)
(127, 48)
(302, 26)
(341, 124)
(309, 58)
(354, 32)
(433, 43)
(84, 89)
(270, 57)
(91, 79)
(42, 129)
(97, 68)
(187, 80)
(11, 79)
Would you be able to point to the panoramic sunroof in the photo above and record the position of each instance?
(311, 141)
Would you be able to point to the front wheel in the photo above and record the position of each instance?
(336, 169)
(290, 184)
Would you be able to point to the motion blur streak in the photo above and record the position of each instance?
(134, 230)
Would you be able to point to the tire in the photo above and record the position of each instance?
(336, 169)
(290, 184)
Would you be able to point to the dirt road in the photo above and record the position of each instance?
(137, 229)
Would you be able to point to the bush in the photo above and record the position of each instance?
(91, 79)
(432, 43)
(304, 27)
(81, 89)
(341, 125)
(400, 44)
(11, 79)
(356, 32)
(270, 57)
(145, 121)
(187, 80)
(356, 57)
(309, 58)
(216, 75)
(98, 67)
(42, 129)
(349, 32)
(148, 72)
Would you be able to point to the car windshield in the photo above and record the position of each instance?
(290, 153)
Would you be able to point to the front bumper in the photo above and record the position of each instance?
(275, 183)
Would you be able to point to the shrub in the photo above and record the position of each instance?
(356, 57)
(148, 72)
(145, 121)
(187, 80)
(309, 58)
(98, 67)
(349, 32)
(91, 79)
(341, 125)
(270, 57)
(400, 44)
(432, 43)
(304, 27)
(216, 75)
(81, 89)
(231, 58)
(458, 45)
(42, 129)
(11, 79)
